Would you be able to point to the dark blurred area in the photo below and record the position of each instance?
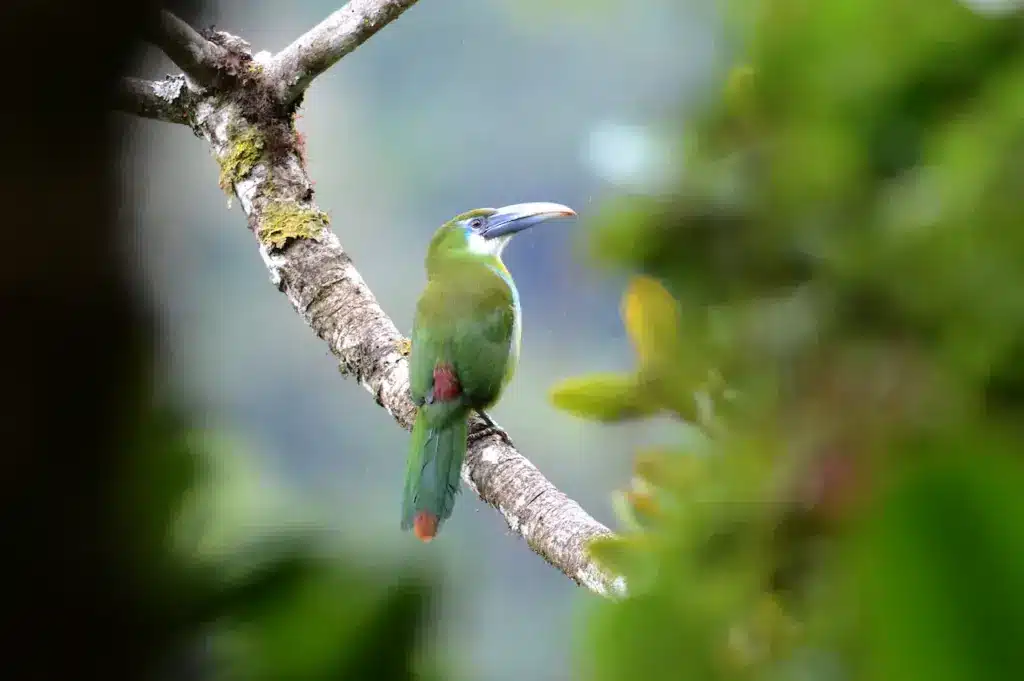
(78, 354)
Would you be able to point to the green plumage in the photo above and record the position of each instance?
(465, 347)
(466, 319)
(432, 474)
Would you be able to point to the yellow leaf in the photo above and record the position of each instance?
(651, 316)
(603, 397)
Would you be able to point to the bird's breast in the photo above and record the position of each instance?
(515, 342)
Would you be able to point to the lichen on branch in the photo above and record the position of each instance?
(284, 220)
(245, 151)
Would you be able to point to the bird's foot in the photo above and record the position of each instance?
(492, 429)
(487, 419)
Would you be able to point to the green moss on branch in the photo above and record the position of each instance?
(284, 220)
(244, 152)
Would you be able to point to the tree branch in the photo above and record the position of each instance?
(168, 100)
(261, 163)
(199, 58)
(322, 46)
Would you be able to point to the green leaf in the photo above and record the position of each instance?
(671, 390)
(604, 397)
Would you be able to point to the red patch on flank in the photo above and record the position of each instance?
(446, 383)
(424, 525)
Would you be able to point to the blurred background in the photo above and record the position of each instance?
(458, 104)
(809, 215)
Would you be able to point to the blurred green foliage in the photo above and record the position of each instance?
(245, 597)
(834, 296)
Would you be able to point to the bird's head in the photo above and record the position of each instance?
(486, 231)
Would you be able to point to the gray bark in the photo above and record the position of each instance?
(195, 55)
(169, 100)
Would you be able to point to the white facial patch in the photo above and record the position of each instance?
(481, 246)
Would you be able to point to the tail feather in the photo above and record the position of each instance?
(432, 473)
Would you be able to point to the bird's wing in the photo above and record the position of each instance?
(466, 324)
(429, 332)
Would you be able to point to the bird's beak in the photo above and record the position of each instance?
(517, 217)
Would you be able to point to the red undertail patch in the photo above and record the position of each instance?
(424, 525)
(446, 383)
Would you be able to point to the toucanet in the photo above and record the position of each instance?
(465, 347)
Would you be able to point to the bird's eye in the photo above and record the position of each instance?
(476, 223)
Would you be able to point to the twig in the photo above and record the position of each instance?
(195, 55)
(322, 46)
(168, 100)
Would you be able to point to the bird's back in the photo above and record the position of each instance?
(466, 317)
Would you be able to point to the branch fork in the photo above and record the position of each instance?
(244, 107)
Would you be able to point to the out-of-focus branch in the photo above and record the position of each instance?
(261, 163)
(198, 57)
(168, 100)
(295, 67)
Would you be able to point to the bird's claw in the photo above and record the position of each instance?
(487, 419)
(492, 429)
